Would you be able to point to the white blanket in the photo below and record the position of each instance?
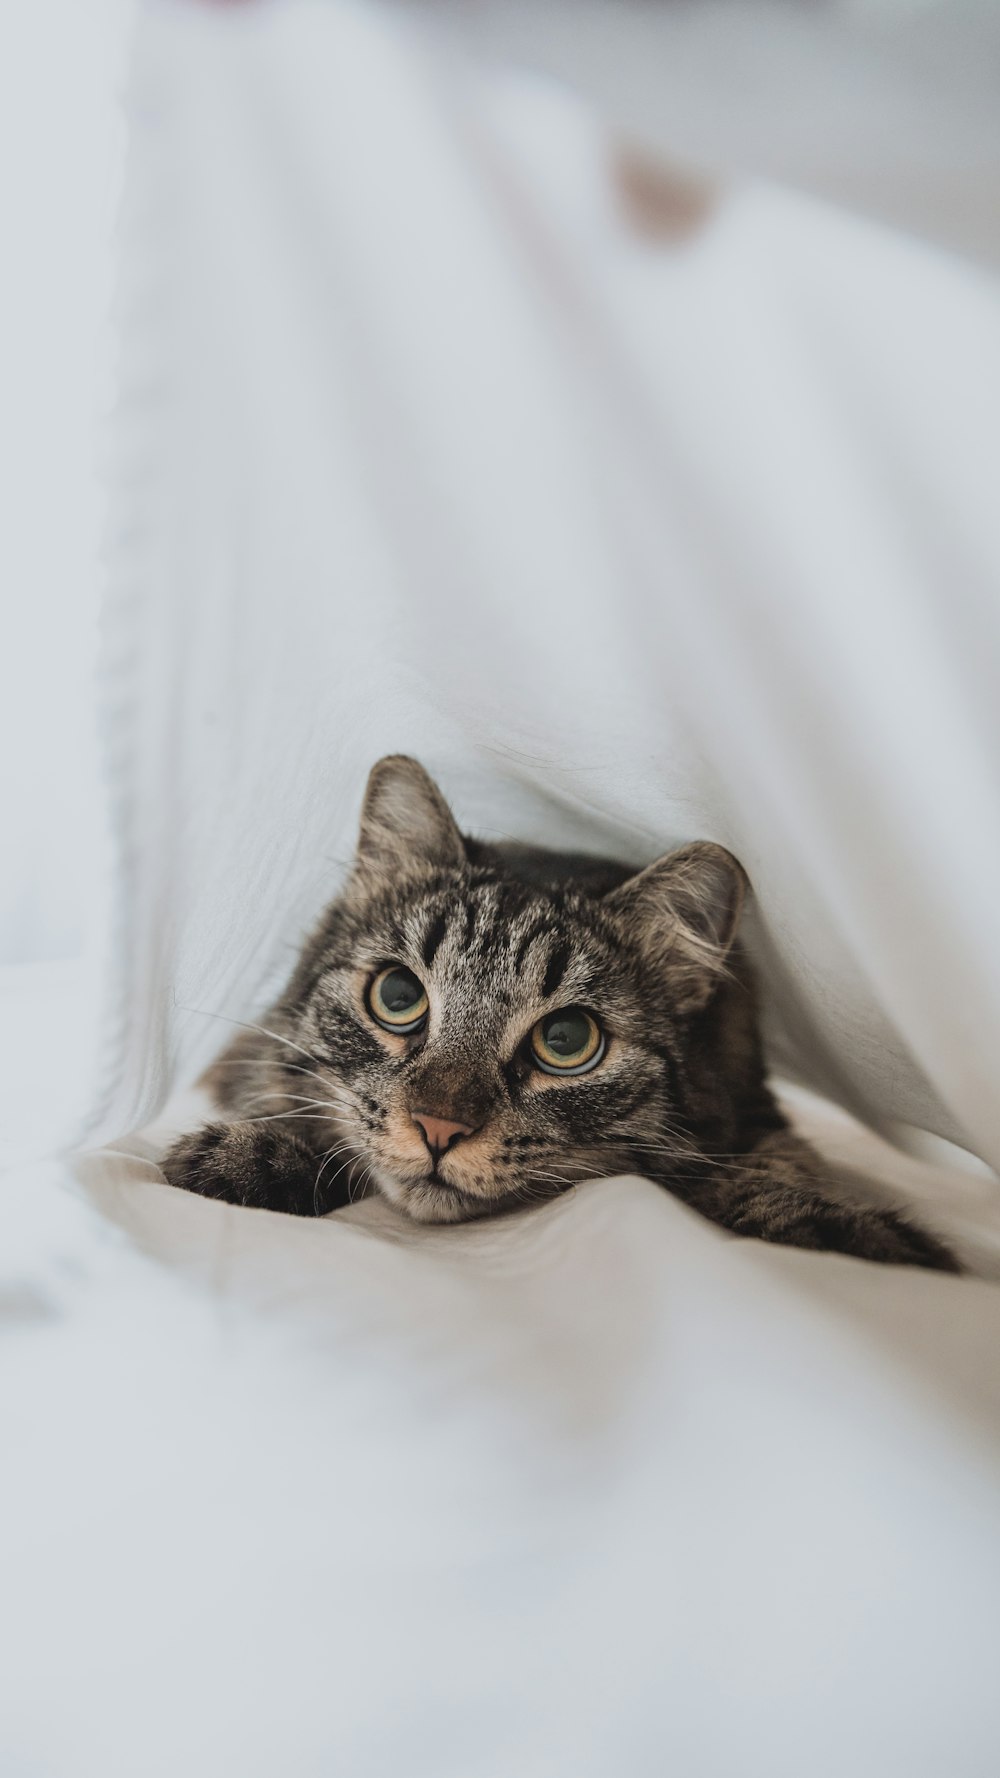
(594, 1492)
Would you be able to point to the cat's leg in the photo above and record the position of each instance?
(777, 1195)
(264, 1165)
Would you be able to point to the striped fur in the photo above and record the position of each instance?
(320, 1101)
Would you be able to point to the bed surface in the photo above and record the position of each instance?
(592, 1490)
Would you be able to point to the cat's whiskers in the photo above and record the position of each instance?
(300, 1099)
(272, 1063)
(529, 1192)
(328, 1085)
(273, 1117)
(327, 1158)
(732, 1160)
(361, 1184)
(562, 1179)
(353, 1156)
(245, 1025)
(339, 1148)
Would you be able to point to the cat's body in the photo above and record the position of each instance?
(473, 1029)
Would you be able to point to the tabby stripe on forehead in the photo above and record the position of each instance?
(397, 938)
(433, 936)
(538, 930)
(555, 969)
(470, 925)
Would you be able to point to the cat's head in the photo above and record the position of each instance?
(493, 1041)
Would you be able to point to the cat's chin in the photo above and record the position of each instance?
(423, 1202)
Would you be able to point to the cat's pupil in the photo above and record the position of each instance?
(400, 990)
(566, 1033)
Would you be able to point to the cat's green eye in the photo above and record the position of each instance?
(567, 1042)
(397, 1001)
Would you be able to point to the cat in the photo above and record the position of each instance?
(475, 1028)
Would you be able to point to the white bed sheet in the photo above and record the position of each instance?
(595, 1492)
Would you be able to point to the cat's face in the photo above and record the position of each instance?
(493, 1043)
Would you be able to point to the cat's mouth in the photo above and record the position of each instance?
(429, 1197)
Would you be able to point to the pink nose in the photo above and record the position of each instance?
(439, 1133)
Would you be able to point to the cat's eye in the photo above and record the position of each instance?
(567, 1042)
(397, 1000)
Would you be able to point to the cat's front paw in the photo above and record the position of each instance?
(801, 1217)
(258, 1165)
(891, 1239)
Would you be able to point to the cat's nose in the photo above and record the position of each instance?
(440, 1133)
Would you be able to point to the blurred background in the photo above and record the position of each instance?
(62, 128)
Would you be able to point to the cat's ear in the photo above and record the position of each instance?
(682, 913)
(405, 820)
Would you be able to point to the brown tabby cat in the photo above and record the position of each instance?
(474, 1028)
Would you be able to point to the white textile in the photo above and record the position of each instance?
(422, 449)
(595, 1492)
